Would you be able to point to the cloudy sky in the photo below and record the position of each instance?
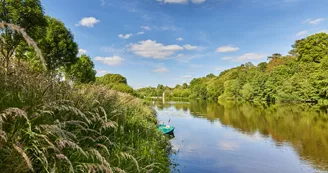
(173, 41)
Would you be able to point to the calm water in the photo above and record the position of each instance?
(244, 138)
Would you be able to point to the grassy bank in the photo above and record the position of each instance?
(48, 126)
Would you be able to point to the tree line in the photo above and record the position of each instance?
(302, 75)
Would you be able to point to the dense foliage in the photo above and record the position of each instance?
(300, 76)
(26, 14)
(115, 82)
(58, 45)
(49, 125)
(82, 71)
(153, 92)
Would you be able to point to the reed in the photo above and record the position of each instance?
(84, 129)
(27, 38)
(48, 126)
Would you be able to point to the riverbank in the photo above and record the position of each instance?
(47, 125)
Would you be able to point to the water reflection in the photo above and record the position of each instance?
(301, 128)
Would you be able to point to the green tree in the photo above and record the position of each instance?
(178, 86)
(184, 85)
(147, 92)
(82, 71)
(262, 66)
(211, 75)
(160, 89)
(58, 45)
(198, 88)
(283, 78)
(111, 79)
(215, 88)
(247, 92)
(249, 65)
(232, 89)
(26, 14)
(123, 88)
(119, 83)
(312, 48)
(274, 56)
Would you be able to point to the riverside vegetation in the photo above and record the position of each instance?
(300, 76)
(48, 124)
(95, 124)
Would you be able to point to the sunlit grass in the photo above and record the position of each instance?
(47, 126)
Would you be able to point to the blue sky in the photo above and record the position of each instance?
(172, 41)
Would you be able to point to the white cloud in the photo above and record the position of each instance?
(88, 22)
(82, 51)
(152, 49)
(245, 57)
(114, 51)
(163, 28)
(174, 1)
(197, 1)
(161, 70)
(102, 72)
(181, 1)
(187, 58)
(228, 48)
(314, 22)
(249, 57)
(306, 21)
(301, 33)
(180, 39)
(111, 61)
(190, 47)
(226, 58)
(126, 36)
(145, 28)
(140, 33)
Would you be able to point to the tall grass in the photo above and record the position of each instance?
(84, 129)
(48, 126)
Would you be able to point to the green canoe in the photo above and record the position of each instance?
(165, 129)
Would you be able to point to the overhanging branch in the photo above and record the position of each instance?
(27, 38)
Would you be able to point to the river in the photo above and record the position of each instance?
(245, 138)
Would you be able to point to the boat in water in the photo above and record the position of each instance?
(166, 129)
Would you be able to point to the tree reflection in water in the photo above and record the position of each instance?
(302, 126)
